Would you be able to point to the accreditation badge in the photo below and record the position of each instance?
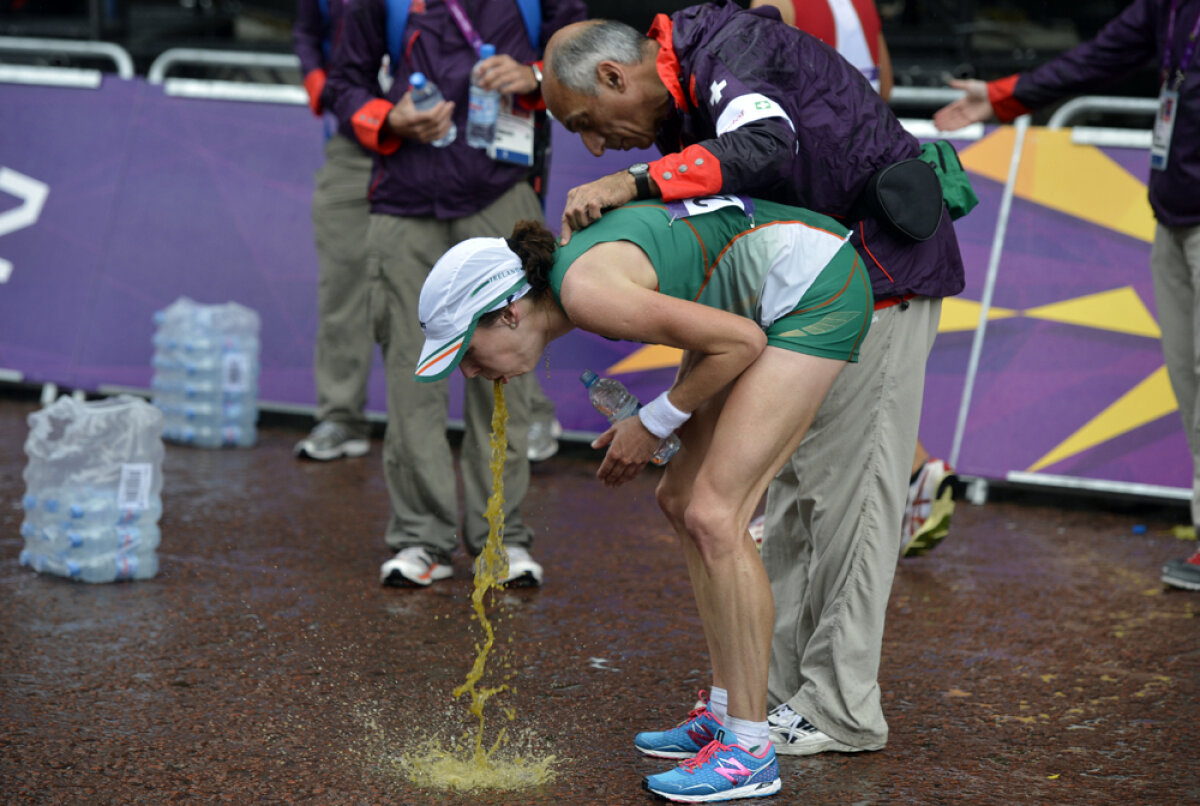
(514, 134)
(1164, 125)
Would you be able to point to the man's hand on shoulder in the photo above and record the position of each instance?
(586, 203)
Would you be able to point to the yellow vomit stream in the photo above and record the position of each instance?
(477, 767)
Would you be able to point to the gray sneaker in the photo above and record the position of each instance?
(793, 735)
(1183, 573)
(331, 441)
(543, 439)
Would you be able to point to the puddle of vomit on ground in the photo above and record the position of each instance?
(469, 762)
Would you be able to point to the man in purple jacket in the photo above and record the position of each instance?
(739, 102)
(342, 359)
(1167, 31)
(424, 199)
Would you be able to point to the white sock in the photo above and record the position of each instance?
(718, 703)
(752, 736)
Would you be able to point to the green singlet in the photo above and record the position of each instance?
(791, 270)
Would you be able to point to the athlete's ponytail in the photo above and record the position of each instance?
(534, 245)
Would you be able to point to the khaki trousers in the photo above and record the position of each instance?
(833, 530)
(1175, 265)
(416, 453)
(340, 211)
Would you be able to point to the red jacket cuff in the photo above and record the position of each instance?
(692, 172)
(369, 126)
(532, 100)
(1004, 104)
(314, 83)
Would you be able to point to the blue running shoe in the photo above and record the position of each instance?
(719, 772)
(684, 741)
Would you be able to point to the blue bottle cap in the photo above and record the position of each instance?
(417, 80)
(588, 377)
(486, 51)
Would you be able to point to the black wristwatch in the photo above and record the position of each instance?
(641, 179)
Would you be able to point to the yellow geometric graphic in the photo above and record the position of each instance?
(1078, 180)
(1120, 310)
(652, 356)
(963, 314)
(1146, 402)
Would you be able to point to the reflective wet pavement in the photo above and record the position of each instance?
(1033, 657)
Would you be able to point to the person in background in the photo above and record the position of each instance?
(739, 102)
(853, 29)
(1166, 32)
(424, 199)
(340, 211)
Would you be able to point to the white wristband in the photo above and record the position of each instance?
(661, 418)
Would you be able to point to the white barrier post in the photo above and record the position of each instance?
(1022, 126)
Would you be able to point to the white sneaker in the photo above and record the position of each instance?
(413, 566)
(330, 440)
(543, 439)
(929, 508)
(793, 735)
(523, 570)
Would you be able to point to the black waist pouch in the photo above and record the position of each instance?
(906, 197)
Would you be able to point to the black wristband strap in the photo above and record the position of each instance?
(640, 172)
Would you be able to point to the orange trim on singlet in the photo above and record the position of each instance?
(735, 238)
(666, 62)
(708, 267)
(866, 281)
(829, 301)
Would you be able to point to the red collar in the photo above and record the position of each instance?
(667, 63)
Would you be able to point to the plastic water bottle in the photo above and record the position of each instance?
(104, 568)
(97, 507)
(614, 401)
(78, 543)
(425, 96)
(206, 367)
(93, 493)
(484, 107)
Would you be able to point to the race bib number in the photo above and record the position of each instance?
(707, 204)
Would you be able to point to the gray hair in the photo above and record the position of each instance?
(573, 62)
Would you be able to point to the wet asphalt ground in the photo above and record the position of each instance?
(1034, 657)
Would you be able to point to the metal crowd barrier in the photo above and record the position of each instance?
(1104, 135)
(61, 76)
(213, 89)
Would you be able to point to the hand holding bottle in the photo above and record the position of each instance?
(422, 116)
(505, 74)
(630, 448)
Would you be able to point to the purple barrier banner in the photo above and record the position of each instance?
(115, 202)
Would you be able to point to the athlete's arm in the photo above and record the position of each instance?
(609, 291)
